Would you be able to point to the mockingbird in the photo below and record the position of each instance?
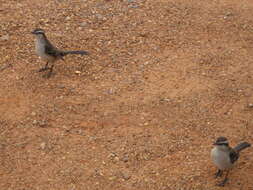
(47, 52)
(224, 156)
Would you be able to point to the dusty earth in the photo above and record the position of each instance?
(164, 78)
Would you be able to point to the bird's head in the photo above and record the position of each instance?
(38, 31)
(221, 141)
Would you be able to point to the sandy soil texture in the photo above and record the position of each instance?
(163, 80)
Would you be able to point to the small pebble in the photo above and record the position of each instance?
(5, 37)
(33, 113)
(99, 16)
(112, 178)
(42, 123)
(43, 145)
(133, 6)
(126, 176)
(125, 159)
(83, 24)
(250, 105)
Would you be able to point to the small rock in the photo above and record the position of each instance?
(112, 155)
(116, 158)
(99, 16)
(125, 158)
(250, 105)
(111, 91)
(43, 145)
(33, 113)
(112, 178)
(42, 123)
(78, 72)
(5, 37)
(126, 176)
(61, 86)
(133, 6)
(83, 24)
(67, 128)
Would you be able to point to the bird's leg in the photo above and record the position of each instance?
(218, 173)
(50, 71)
(44, 68)
(225, 180)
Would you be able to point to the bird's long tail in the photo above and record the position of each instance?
(241, 146)
(75, 52)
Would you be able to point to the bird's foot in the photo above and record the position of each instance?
(50, 72)
(218, 173)
(47, 75)
(43, 69)
(222, 184)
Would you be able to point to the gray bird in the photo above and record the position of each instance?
(224, 156)
(47, 52)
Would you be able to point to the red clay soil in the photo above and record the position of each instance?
(163, 80)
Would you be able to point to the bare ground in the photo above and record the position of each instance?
(163, 80)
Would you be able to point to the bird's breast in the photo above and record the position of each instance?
(221, 159)
(40, 51)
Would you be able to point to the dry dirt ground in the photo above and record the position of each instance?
(164, 78)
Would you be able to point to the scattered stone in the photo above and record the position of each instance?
(125, 158)
(133, 6)
(66, 128)
(145, 124)
(112, 178)
(83, 24)
(61, 97)
(112, 155)
(228, 15)
(125, 175)
(111, 91)
(250, 105)
(78, 72)
(99, 16)
(43, 145)
(5, 37)
(33, 113)
(5, 66)
(42, 123)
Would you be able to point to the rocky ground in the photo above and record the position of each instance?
(164, 78)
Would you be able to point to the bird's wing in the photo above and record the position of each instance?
(49, 49)
(233, 155)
